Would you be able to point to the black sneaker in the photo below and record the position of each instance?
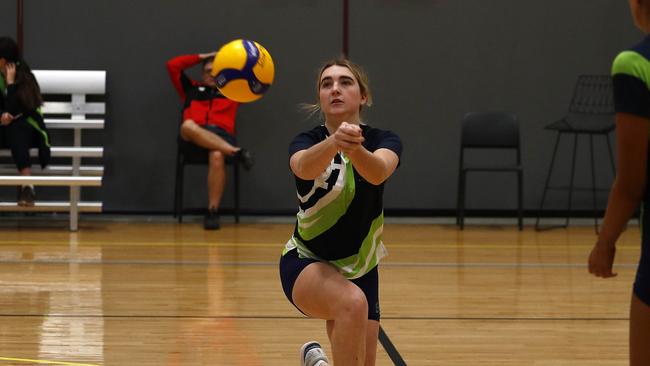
(246, 158)
(211, 220)
(27, 196)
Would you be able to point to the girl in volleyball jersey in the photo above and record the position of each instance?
(329, 266)
(631, 79)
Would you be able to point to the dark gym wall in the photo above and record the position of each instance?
(133, 41)
(429, 63)
(8, 18)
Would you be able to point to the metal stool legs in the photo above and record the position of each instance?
(571, 186)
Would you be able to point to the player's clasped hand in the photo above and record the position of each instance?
(6, 118)
(348, 137)
(601, 260)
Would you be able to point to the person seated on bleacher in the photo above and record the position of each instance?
(208, 122)
(22, 125)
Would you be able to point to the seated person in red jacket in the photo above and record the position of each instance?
(208, 122)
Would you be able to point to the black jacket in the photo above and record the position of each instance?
(9, 102)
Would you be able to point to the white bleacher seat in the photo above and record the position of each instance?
(77, 85)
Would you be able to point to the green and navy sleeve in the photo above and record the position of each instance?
(630, 78)
(307, 139)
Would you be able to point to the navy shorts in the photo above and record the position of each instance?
(291, 266)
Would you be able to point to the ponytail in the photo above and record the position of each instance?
(28, 90)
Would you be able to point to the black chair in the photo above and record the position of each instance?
(591, 113)
(489, 130)
(190, 154)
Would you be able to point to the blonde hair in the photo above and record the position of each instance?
(643, 16)
(358, 73)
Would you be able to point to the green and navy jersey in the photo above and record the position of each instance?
(341, 216)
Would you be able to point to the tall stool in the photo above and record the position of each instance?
(591, 113)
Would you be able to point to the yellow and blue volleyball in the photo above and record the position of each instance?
(243, 70)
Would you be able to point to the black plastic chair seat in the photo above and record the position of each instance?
(492, 168)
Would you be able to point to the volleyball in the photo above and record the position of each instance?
(243, 70)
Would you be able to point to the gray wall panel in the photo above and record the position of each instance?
(430, 62)
(8, 18)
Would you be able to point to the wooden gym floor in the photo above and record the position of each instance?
(122, 292)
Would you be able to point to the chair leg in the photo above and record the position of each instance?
(458, 197)
(548, 179)
(572, 178)
(461, 199)
(177, 191)
(520, 199)
(236, 183)
(593, 180)
(181, 176)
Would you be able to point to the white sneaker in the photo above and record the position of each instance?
(311, 354)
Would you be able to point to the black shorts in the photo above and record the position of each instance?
(198, 153)
(221, 132)
(291, 265)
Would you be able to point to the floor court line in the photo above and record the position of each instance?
(428, 245)
(45, 362)
(271, 317)
(266, 264)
